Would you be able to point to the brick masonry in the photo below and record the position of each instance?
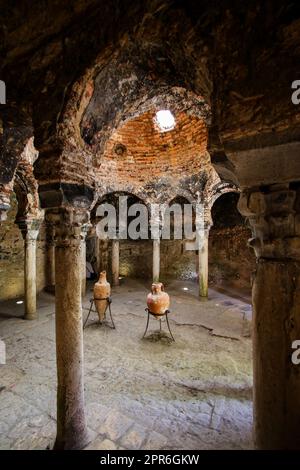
(139, 155)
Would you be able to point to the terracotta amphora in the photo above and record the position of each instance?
(158, 301)
(101, 291)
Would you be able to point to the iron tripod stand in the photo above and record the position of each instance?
(158, 317)
(108, 306)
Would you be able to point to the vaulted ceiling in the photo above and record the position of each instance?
(77, 71)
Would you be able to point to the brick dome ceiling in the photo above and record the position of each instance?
(139, 151)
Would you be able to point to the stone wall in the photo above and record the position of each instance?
(136, 259)
(12, 257)
(175, 262)
(231, 261)
(230, 258)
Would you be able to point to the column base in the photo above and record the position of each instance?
(79, 442)
(30, 317)
(203, 298)
(50, 289)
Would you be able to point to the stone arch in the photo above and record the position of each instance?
(181, 193)
(25, 184)
(212, 193)
(22, 191)
(136, 87)
(111, 195)
(181, 197)
(89, 116)
(125, 192)
(220, 189)
(16, 133)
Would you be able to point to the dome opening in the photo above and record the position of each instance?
(165, 120)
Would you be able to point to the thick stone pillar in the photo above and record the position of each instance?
(156, 260)
(202, 241)
(115, 261)
(71, 422)
(50, 258)
(274, 216)
(30, 231)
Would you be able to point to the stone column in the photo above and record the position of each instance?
(274, 216)
(71, 422)
(84, 231)
(50, 258)
(156, 221)
(102, 247)
(98, 255)
(202, 241)
(104, 260)
(115, 261)
(30, 231)
(156, 260)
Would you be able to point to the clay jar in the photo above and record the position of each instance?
(101, 291)
(158, 301)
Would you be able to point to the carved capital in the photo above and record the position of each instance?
(29, 228)
(68, 223)
(274, 217)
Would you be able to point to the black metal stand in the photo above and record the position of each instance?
(108, 304)
(159, 317)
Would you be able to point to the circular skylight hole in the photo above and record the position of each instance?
(165, 120)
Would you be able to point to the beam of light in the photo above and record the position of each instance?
(165, 120)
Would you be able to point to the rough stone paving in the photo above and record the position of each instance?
(195, 393)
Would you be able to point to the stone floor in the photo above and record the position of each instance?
(195, 393)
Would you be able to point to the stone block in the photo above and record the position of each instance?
(155, 441)
(134, 438)
(115, 425)
(101, 444)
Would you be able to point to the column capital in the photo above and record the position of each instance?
(68, 224)
(274, 216)
(29, 228)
